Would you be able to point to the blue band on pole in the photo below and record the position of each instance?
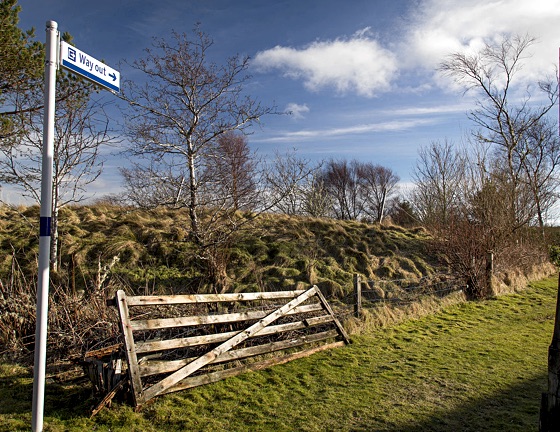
(45, 226)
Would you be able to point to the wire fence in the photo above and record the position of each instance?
(400, 292)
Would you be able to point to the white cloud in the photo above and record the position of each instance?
(437, 28)
(312, 134)
(358, 64)
(432, 30)
(297, 111)
(430, 110)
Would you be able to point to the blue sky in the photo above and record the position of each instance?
(360, 76)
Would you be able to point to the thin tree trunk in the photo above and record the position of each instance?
(382, 208)
(193, 202)
(54, 238)
(180, 191)
(540, 216)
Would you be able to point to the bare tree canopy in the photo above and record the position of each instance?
(537, 158)
(185, 105)
(343, 184)
(231, 174)
(153, 184)
(378, 186)
(507, 117)
(491, 73)
(292, 186)
(440, 180)
(81, 130)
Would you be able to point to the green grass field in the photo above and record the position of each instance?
(471, 367)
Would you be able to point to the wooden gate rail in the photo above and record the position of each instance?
(151, 374)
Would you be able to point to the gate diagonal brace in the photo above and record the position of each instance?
(178, 379)
(192, 367)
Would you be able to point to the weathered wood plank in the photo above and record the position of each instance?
(162, 345)
(328, 308)
(210, 298)
(163, 366)
(108, 397)
(102, 352)
(202, 361)
(270, 330)
(169, 344)
(275, 346)
(130, 350)
(323, 319)
(220, 375)
(161, 323)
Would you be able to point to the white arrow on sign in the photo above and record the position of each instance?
(83, 64)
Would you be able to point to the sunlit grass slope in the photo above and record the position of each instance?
(478, 366)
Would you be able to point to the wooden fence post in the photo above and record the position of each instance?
(549, 419)
(357, 296)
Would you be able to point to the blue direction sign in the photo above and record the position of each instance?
(83, 64)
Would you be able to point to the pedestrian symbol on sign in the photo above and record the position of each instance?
(71, 54)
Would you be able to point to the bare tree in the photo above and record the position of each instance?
(289, 179)
(378, 185)
(81, 129)
(338, 188)
(175, 121)
(341, 179)
(317, 202)
(439, 176)
(538, 156)
(232, 174)
(491, 74)
(185, 105)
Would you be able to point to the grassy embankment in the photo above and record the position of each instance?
(104, 248)
(477, 366)
(151, 250)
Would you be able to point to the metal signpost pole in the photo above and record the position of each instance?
(76, 61)
(51, 62)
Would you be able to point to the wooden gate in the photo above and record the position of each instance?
(195, 347)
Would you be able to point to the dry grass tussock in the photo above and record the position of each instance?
(516, 280)
(386, 315)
